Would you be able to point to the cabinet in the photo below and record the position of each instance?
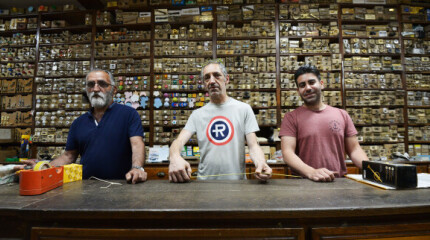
(374, 61)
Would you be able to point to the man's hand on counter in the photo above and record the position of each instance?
(136, 175)
(321, 175)
(179, 170)
(263, 172)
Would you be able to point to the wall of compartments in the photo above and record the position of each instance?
(374, 60)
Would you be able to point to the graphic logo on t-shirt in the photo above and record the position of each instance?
(220, 130)
(334, 126)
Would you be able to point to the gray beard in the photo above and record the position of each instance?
(100, 100)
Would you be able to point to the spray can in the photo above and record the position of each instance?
(25, 147)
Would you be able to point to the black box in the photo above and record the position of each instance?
(391, 174)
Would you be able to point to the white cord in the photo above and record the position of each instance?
(101, 180)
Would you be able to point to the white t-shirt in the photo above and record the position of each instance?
(221, 130)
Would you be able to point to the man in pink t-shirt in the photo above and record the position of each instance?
(315, 136)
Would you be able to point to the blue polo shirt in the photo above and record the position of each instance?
(105, 148)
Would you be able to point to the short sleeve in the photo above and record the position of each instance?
(135, 125)
(251, 124)
(191, 124)
(72, 143)
(350, 129)
(289, 125)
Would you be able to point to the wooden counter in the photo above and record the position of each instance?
(287, 209)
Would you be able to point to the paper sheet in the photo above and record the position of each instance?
(423, 181)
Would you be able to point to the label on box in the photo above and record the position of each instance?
(6, 134)
(190, 11)
(144, 14)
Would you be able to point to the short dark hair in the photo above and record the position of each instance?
(306, 69)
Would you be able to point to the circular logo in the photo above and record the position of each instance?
(220, 130)
(334, 126)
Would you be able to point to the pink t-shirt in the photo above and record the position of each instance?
(320, 136)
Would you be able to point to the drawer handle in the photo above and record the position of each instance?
(161, 174)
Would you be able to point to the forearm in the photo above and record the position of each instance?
(357, 156)
(257, 155)
(138, 151)
(138, 156)
(175, 149)
(63, 159)
(293, 161)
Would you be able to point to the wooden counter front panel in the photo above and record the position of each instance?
(417, 231)
(223, 233)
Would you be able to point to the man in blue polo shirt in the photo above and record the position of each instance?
(109, 137)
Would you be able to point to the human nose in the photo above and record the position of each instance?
(211, 79)
(307, 87)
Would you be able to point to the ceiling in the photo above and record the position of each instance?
(81, 4)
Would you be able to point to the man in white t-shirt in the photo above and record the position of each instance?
(221, 127)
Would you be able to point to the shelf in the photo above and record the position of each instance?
(416, 55)
(123, 41)
(416, 22)
(242, 38)
(62, 13)
(16, 110)
(66, 59)
(246, 54)
(60, 44)
(25, 15)
(331, 71)
(52, 126)
(183, 39)
(17, 126)
(376, 71)
(176, 73)
(370, 5)
(14, 94)
(15, 77)
(18, 46)
(418, 89)
(67, 76)
(307, 20)
(121, 57)
(130, 75)
(247, 72)
(415, 38)
(378, 124)
(26, 31)
(376, 106)
(415, 72)
(128, 26)
(368, 22)
(180, 91)
(182, 56)
(43, 144)
(295, 89)
(419, 142)
(424, 107)
(180, 22)
(379, 89)
(79, 28)
(252, 90)
(373, 54)
(24, 61)
(305, 54)
(418, 124)
(370, 37)
(379, 143)
(314, 37)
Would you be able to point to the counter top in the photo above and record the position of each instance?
(275, 199)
